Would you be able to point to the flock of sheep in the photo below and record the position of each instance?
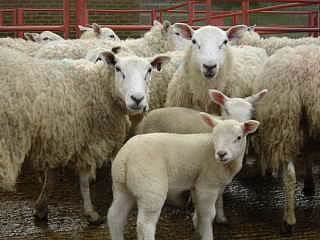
(79, 103)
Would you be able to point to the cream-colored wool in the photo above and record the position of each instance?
(28, 47)
(241, 66)
(272, 44)
(57, 113)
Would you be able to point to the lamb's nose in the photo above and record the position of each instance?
(222, 154)
(209, 68)
(137, 100)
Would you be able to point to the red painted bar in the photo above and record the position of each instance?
(20, 20)
(66, 18)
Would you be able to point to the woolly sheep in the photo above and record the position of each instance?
(158, 40)
(150, 166)
(28, 47)
(58, 113)
(95, 31)
(44, 37)
(211, 63)
(290, 116)
(247, 36)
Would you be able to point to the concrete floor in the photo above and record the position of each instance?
(253, 206)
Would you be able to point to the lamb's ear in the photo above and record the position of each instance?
(218, 97)
(107, 57)
(166, 25)
(250, 126)
(34, 37)
(208, 119)
(116, 49)
(256, 97)
(159, 61)
(83, 28)
(184, 30)
(96, 28)
(236, 31)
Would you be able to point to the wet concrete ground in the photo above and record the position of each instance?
(253, 207)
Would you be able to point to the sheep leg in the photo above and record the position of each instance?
(41, 205)
(205, 200)
(289, 185)
(146, 223)
(92, 216)
(308, 187)
(220, 217)
(118, 214)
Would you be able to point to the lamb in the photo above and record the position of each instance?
(290, 116)
(247, 36)
(69, 112)
(211, 63)
(95, 31)
(150, 166)
(44, 37)
(158, 40)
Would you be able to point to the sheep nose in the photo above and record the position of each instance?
(222, 154)
(209, 68)
(137, 100)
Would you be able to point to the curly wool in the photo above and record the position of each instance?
(189, 89)
(56, 113)
(28, 47)
(291, 111)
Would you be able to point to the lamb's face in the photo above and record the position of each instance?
(43, 37)
(229, 137)
(132, 77)
(108, 34)
(100, 32)
(208, 50)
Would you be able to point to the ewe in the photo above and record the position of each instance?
(94, 31)
(151, 166)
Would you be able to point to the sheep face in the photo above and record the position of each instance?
(100, 33)
(43, 37)
(229, 137)
(132, 77)
(181, 34)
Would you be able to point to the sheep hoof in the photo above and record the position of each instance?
(41, 212)
(308, 188)
(94, 218)
(287, 229)
(222, 220)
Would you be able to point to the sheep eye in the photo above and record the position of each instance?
(45, 38)
(194, 41)
(225, 42)
(118, 69)
(239, 138)
(178, 34)
(112, 36)
(149, 70)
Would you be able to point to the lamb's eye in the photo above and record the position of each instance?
(239, 138)
(149, 70)
(118, 69)
(178, 34)
(194, 41)
(225, 42)
(111, 36)
(45, 38)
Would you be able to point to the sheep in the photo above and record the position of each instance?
(290, 116)
(247, 36)
(28, 47)
(211, 63)
(151, 166)
(44, 37)
(69, 112)
(97, 32)
(158, 40)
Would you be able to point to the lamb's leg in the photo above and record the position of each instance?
(289, 187)
(89, 212)
(41, 205)
(220, 217)
(308, 187)
(146, 223)
(205, 200)
(118, 214)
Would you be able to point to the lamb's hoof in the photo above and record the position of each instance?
(287, 229)
(221, 220)
(308, 189)
(94, 218)
(41, 212)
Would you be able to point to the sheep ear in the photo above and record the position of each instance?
(208, 119)
(218, 97)
(184, 30)
(83, 28)
(166, 25)
(116, 49)
(156, 23)
(236, 31)
(256, 97)
(250, 126)
(108, 57)
(158, 62)
(252, 28)
(96, 28)
(34, 37)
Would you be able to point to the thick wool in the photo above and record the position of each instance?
(28, 47)
(56, 113)
(272, 44)
(291, 112)
(235, 77)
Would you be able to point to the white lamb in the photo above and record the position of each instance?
(69, 112)
(150, 166)
(211, 63)
(44, 37)
(95, 31)
(247, 36)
